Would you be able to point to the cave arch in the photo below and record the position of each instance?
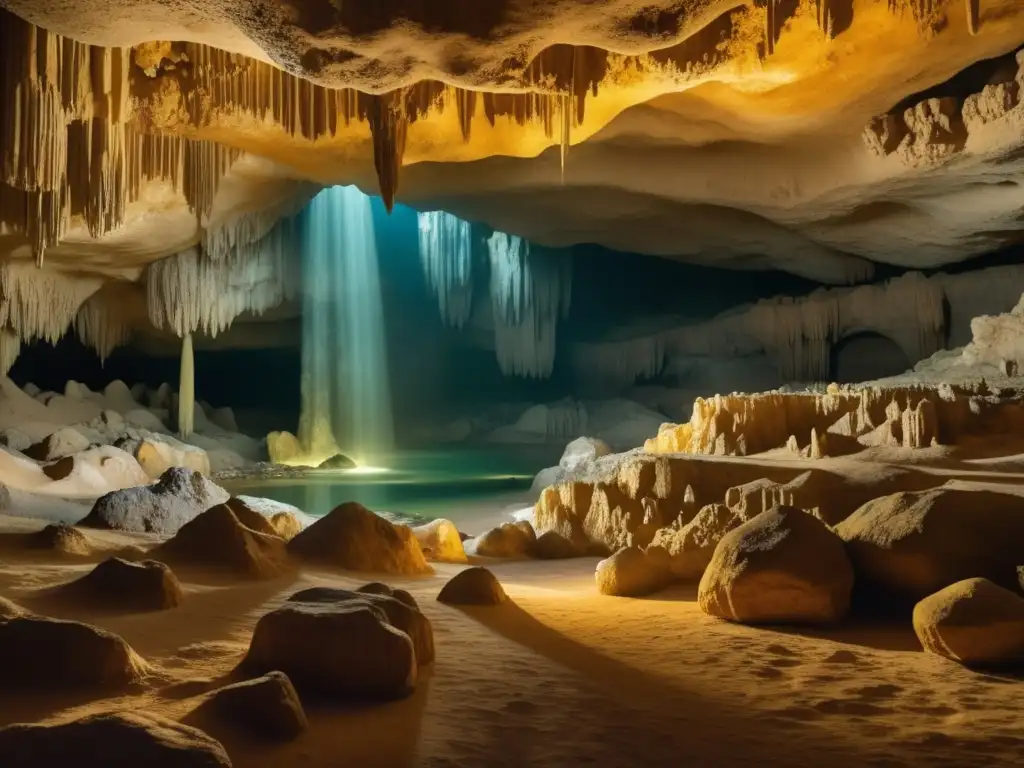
(866, 356)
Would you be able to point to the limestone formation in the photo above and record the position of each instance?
(64, 442)
(217, 539)
(66, 654)
(551, 545)
(146, 585)
(633, 572)
(345, 650)
(113, 740)
(509, 540)
(909, 545)
(403, 614)
(266, 707)
(784, 566)
(440, 541)
(974, 622)
(473, 586)
(178, 497)
(691, 547)
(157, 454)
(354, 538)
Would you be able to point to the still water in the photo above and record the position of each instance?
(472, 487)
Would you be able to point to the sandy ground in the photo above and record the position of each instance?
(564, 677)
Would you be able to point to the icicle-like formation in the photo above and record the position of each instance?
(446, 252)
(186, 388)
(617, 365)
(10, 348)
(530, 290)
(389, 124)
(226, 240)
(973, 8)
(188, 292)
(101, 324)
(41, 303)
(800, 333)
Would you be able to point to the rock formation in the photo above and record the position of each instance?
(473, 586)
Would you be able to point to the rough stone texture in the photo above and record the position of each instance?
(907, 546)
(64, 654)
(401, 614)
(440, 540)
(347, 650)
(974, 622)
(122, 740)
(64, 442)
(473, 586)
(217, 539)
(267, 707)
(632, 572)
(146, 585)
(60, 538)
(286, 525)
(551, 545)
(783, 566)
(508, 540)
(691, 547)
(163, 508)
(354, 538)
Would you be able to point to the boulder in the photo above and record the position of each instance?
(162, 508)
(285, 519)
(337, 461)
(116, 740)
(783, 566)
(146, 585)
(632, 572)
(974, 622)
(217, 539)
(60, 538)
(582, 451)
(440, 540)
(286, 525)
(354, 538)
(690, 548)
(473, 586)
(249, 517)
(64, 442)
(400, 613)
(55, 653)
(509, 540)
(267, 707)
(551, 545)
(347, 650)
(157, 454)
(907, 546)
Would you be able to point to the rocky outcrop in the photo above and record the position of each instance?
(509, 540)
(178, 497)
(65, 654)
(146, 585)
(440, 541)
(974, 622)
(783, 566)
(354, 538)
(266, 707)
(633, 572)
(691, 547)
(907, 546)
(346, 650)
(119, 740)
(473, 586)
(216, 539)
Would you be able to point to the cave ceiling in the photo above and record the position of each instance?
(820, 137)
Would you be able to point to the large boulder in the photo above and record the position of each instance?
(267, 707)
(632, 572)
(354, 538)
(440, 541)
(216, 539)
(473, 586)
(783, 566)
(162, 508)
(974, 622)
(64, 442)
(907, 546)
(53, 653)
(508, 540)
(117, 584)
(347, 650)
(118, 740)
(400, 613)
(691, 547)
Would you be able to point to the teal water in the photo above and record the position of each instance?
(472, 487)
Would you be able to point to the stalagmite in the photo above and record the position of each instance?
(446, 252)
(186, 388)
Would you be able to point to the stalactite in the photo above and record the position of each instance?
(772, 28)
(446, 252)
(973, 8)
(186, 388)
(102, 325)
(10, 348)
(41, 303)
(388, 125)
